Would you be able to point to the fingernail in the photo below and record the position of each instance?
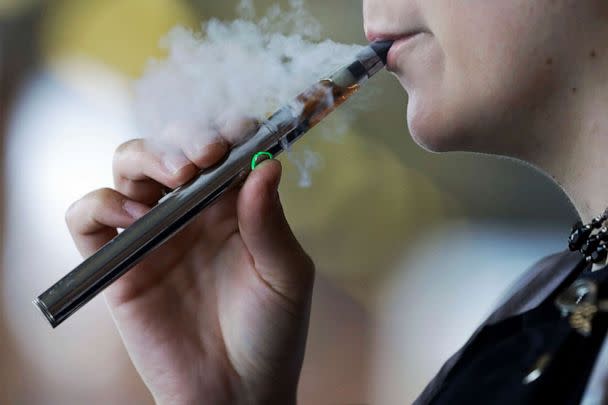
(196, 146)
(236, 130)
(276, 197)
(174, 162)
(135, 210)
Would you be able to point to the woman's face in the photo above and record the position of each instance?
(480, 72)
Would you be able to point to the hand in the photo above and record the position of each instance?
(219, 313)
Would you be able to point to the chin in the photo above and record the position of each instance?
(431, 129)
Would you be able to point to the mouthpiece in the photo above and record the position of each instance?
(381, 48)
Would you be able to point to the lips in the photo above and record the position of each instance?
(401, 40)
(398, 47)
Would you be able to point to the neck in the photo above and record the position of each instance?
(577, 128)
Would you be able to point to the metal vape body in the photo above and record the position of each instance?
(179, 207)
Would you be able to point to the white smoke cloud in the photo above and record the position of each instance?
(231, 71)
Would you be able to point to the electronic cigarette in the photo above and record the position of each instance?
(177, 208)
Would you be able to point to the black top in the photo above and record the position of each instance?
(493, 369)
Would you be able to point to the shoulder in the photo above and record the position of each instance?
(530, 288)
(538, 268)
(535, 284)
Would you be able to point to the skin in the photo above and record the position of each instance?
(220, 313)
(515, 78)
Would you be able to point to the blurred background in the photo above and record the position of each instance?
(413, 249)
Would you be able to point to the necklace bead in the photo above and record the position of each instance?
(590, 239)
(600, 254)
(578, 237)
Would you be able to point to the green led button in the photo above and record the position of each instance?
(259, 158)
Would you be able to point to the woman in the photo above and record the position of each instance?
(222, 317)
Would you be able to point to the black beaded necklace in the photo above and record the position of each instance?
(591, 239)
(579, 302)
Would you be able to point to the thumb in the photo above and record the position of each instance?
(278, 256)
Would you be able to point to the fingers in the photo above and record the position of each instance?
(140, 173)
(278, 256)
(142, 170)
(204, 154)
(234, 128)
(93, 220)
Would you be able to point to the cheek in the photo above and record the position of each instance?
(423, 75)
(493, 74)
